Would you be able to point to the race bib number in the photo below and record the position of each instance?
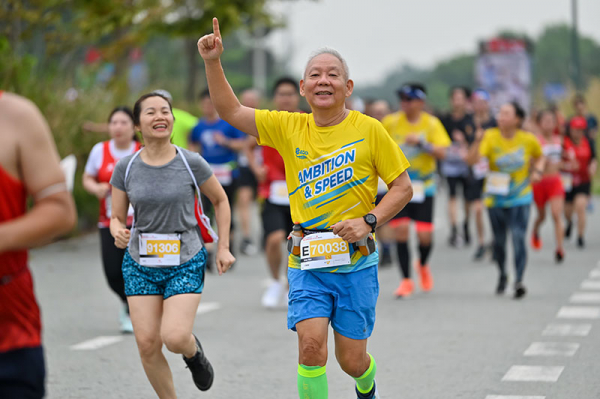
(322, 250)
(223, 173)
(160, 249)
(481, 169)
(108, 207)
(418, 192)
(497, 183)
(567, 182)
(278, 193)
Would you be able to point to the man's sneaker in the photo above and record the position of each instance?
(480, 253)
(501, 287)
(568, 229)
(247, 248)
(125, 320)
(273, 296)
(536, 241)
(405, 289)
(580, 242)
(202, 371)
(559, 255)
(520, 290)
(374, 394)
(426, 279)
(453, 241)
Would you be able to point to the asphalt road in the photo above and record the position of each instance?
(459, 341)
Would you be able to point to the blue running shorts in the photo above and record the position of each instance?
(187, 278)
(347, 299)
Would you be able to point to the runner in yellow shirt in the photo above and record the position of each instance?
(515, 160)
(423, 140)
(333, 159)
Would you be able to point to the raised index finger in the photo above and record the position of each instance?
(216, 30)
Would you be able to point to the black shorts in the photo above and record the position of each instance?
(419, 212)
(247, 178)
(472, 189)
(22, 374)
(585, 188)
(276, 217)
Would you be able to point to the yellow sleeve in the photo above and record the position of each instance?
(387, 156)
(536, 147)
(271, 128)
(439, 136)
(484, 146)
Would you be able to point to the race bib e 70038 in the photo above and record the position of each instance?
(322, 250)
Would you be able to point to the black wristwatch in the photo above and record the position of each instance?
(371, 220)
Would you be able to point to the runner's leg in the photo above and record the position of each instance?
(312, 348)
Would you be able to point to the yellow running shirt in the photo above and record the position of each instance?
(331, 172)
(512, 157)
(422, 164)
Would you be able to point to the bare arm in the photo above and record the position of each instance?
(215, 193)
(118, 220)
(537, 171)
(259, 170)
(228, 106)
(92, 186)
(53, 213)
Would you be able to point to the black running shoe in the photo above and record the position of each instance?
(559, 256)
(502, 281)
(520, 290)
(453, 240)
(480, 253)
(568, 229)
(202, 371)
(371, 395)
(580, 243)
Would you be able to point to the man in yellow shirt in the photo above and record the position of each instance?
(333, 158)
(423, 140)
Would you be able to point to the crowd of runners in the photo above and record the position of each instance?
(326, 182)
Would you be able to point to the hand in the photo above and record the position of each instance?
(102, 190)
(479, 134)
(210, 46)
(352, 230)
(412, 139)
(536, 176)
(122, 238)
(224, 260)
(220, 139)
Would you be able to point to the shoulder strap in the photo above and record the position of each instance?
(204, 218)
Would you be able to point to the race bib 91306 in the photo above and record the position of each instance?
(160, 249)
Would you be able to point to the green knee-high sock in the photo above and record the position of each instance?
(312, 382)
(364, 383)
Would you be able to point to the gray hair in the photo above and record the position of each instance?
(335, 53)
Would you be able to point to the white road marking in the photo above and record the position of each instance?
(585, 297)
(565, 330)
(534, 373)
(579, 312)
(595, 273)
(96, 343)
(207, 307)
(513, 397)
(590, 285)
(551, 349)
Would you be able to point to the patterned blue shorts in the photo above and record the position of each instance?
(166, 281)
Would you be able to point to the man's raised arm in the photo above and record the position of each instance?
(228, 107)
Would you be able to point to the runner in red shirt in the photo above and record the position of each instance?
(276, 214)
(582, 166)
(96, 180)
(550, 187)
(29, 165)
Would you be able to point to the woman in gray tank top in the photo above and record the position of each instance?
(165, 258)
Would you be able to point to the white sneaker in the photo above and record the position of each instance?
(125, 320)
(272, 296)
